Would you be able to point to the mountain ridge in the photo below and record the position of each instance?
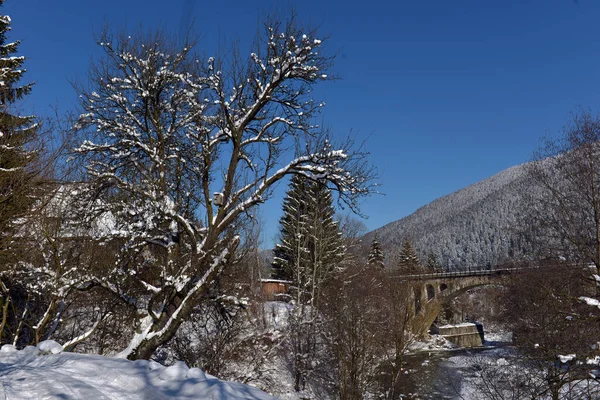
(478, 225)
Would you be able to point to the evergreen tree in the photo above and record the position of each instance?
(310, 250)
(15, 133)
(408, 261)
(309, 236)
(376, 256)
(291, 249)
(432, 263)
(326, 244)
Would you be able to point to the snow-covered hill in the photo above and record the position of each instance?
(44, 372)
(475, 226)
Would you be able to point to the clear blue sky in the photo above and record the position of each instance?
(447, 92)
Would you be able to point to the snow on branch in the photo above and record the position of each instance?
(161, 131)
(590, 301)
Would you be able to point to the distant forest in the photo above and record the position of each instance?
(481, 225)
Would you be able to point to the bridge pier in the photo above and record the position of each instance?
(463, 335)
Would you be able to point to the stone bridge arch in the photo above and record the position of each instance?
(432, 292)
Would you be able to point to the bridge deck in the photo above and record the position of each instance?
(464, 273)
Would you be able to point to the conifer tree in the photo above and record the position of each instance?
(290, 250)
(326, 244)
(408, 261)
(310, 250)
(376, 256)
(309, 237)
(432, 263)
(15, 133)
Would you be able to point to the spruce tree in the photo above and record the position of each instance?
(432, 263)
(290, 253)
(376, 256)
(310, 245)
(309, 252)
(408, 261)
(326, 244)
(16, 132)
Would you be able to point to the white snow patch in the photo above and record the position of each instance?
(50, 347)
(567, 358)
(500, 336)
(461, 325)
(593, 361)
(35, 374)
(8, 348)
(434, 342)
(175, 372)
(590, 301)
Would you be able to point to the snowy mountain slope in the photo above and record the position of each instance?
(46, 373)
(474, 226)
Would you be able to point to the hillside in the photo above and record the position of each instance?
(474, 226)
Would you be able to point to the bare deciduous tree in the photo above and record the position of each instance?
(358, 328)
(565, 197)
(554, 332)
(177, 151)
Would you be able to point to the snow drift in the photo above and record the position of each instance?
(46, 372)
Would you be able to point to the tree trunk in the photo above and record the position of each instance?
(146, 348)
(180, 308)
(4, 309)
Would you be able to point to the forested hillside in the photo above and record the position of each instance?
(479, 225)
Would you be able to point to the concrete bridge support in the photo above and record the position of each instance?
(463, 335)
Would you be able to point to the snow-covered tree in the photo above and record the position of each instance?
(408, 261)
(557, 349)
(400, 331)
(432, 263)
(16, 132)
(484, 223)
(179, 150)
(311, 249)
(18, 177)
(291, 249)
(309, 236)
(564, 199)
(51, 273)
(376, 257)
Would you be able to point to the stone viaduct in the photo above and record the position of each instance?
(430, 292)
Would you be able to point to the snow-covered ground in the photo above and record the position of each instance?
(496, 373)
(45, 372)
(497, 336)
(432, 343)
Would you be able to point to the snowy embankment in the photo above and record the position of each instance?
(46, 372)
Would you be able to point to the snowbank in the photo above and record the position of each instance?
(46, 372)
(433, 342)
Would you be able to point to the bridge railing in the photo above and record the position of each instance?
(470, 271)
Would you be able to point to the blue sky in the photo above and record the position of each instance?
(446, 93)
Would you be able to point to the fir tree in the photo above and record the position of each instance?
(408, 261)
(432, 263)
(16, 132)
(326, 244)
(309, 252)
(310, 236)
(376, 256)
(290, 251)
